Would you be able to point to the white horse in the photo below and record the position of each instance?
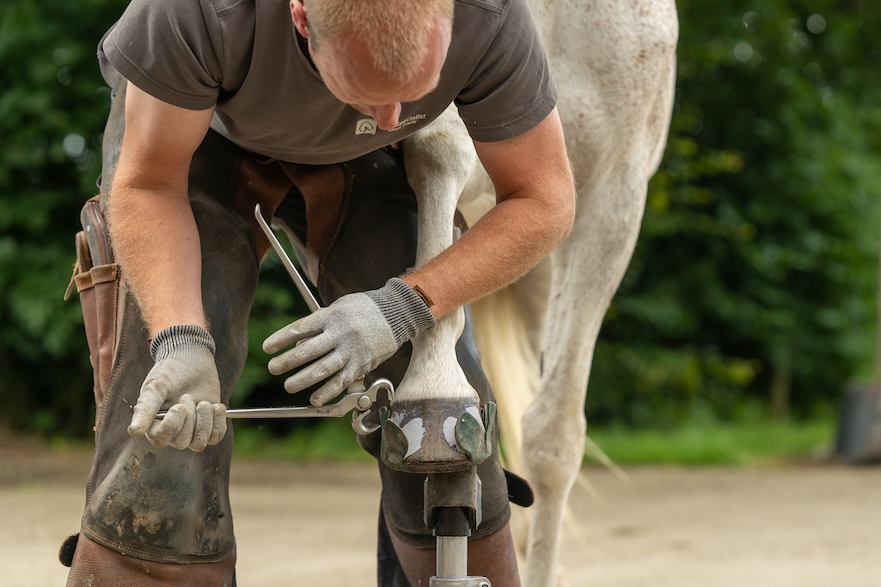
(614, 62)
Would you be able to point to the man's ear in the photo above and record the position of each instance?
(298, 14)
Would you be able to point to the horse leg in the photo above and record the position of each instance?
(435, 392)
(438, 161)
(616, 109)
(553, 425)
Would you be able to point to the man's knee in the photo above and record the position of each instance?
(161, 504)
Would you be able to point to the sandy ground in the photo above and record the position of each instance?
(774, 526)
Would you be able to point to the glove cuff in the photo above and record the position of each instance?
(406, 312)
(179, 337)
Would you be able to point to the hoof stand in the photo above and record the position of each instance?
(436, 436)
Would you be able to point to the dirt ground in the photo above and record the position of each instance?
(805, 525)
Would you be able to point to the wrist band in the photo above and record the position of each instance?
(421, 293)
(180, 335)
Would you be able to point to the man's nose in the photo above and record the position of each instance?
(386, 116)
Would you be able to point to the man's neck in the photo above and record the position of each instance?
(304, 47)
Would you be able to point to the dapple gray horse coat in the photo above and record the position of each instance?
(614, 63)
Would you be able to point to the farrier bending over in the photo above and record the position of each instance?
(399, 63)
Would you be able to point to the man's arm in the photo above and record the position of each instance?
(151, 223)
(157, 244)
(534, 212)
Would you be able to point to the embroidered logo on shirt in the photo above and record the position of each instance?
(365, 126)
(408, 121)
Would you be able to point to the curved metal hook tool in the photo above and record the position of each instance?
(304, 290)
(359, 399)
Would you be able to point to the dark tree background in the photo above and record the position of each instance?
(753, 286)
(752, 289)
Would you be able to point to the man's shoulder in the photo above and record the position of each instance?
(169, 12)
(227, 6)
(496, 6)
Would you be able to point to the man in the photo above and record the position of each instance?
(226, 105)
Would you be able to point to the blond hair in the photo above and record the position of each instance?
(395, 32)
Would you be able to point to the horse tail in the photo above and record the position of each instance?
(507, 329)
(510, 362)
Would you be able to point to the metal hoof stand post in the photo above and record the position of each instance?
(452, 509)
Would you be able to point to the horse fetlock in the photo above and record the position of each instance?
(436, 435)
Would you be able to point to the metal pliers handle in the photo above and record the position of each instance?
(359, 400)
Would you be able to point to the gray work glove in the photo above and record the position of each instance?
(184, 381)
(347, 339)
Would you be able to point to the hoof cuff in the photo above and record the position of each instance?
(436, 436)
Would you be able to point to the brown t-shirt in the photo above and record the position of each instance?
(242, 56)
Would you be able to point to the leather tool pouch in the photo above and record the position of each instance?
(101, 296)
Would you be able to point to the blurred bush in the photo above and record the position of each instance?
(754, 279)
(755, 271)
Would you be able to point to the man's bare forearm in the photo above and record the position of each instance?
(157, 244)
(499, 249)
(151, 222)
(535, 212)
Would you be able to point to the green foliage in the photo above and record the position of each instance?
(752, 441)
(742, 444)
(757, 262)
(52, 113)
(52, 110)
(758, 257)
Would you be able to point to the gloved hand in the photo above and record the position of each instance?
(347, 339)
(184, 380)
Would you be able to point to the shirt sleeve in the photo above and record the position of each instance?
(511, 90)
(169, 49)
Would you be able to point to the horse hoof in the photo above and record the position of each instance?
(436, 436)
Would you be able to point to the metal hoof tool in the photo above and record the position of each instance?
(298, 280)
(359, 399)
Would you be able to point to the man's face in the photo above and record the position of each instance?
(349, 74)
